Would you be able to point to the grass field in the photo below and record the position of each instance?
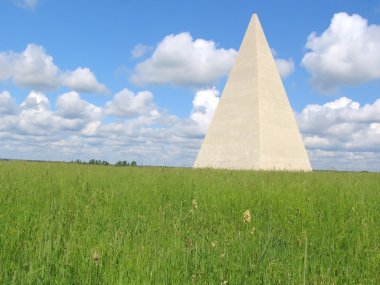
(65, 223)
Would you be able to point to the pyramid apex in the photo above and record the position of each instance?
(255, 20)
(255, 16)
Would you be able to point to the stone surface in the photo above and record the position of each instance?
(253, 126)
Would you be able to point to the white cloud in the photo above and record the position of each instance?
(285, 67)
(140, 50)
(204, 105)
(36, 101)
(339, 134)
(344, 160)
(91, 128)
(78, 129)
(33, 68)
(126, 103)
(7, 105)
(181, 60)
(35, 117)
(347, 53)
(6, 65)
(71, 106)
(83, 79)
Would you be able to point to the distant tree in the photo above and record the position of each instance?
(125, 163)
(98, 162)
(122, 163)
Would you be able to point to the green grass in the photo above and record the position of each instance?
(80, 224)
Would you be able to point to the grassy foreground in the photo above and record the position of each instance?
(81, 224)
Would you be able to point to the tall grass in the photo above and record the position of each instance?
(80, 224)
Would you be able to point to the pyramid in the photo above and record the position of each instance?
(253, 126)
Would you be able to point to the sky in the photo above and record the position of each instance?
(140, 80)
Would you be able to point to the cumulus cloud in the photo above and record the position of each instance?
(35, 69)
(75, 114)
(37, 101)
(126, 103)
(31, 68)
(342, 134)
(204, 105)
(71, 106)
(6, 64)
(83, 79)
(79, 129)
(344, 160)
(285, 67)
(35, 117)
(347, 53)
(7, 104)
(183, 61)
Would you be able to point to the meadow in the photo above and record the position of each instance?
(63, 223)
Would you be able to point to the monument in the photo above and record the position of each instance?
(253, 126)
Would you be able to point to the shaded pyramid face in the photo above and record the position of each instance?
(253, 126)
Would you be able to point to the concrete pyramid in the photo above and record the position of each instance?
(253, 126)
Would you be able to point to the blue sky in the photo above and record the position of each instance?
(139, 80)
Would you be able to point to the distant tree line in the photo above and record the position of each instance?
(125, 163)
(106, 163)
